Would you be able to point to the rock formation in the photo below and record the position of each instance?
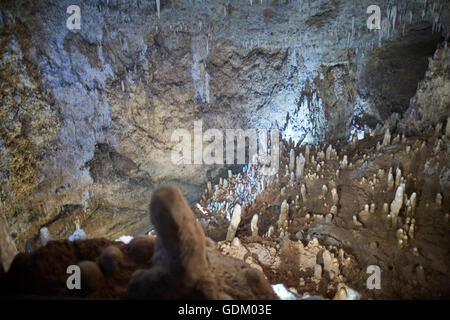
(180, 263)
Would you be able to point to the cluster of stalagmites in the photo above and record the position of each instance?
(304, 169)
(309, 264)
(179, 263)
(242, 189)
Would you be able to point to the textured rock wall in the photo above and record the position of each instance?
(431, 103)
(87, 116)
(7, 248)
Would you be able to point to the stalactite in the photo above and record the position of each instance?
(158, 8)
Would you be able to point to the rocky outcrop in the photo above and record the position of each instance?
(431, 103)
(182, 267)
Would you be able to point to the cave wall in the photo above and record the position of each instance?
(87, 115)
(431, 103)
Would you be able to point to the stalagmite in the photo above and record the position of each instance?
(387, 138)
(372, 208)
(366, 208)
(397, 203)
(398, 177)
(329, 152)
(324, 190)
(411, 231)
(291, 160)
(318, 271)
(44, 236)
(284, 211)
(439, 199)
(320, 156)
(356, 222)
(334, 196)
(390, 181)
(254, 225)
(300, 167)
(400, 233)
(270, 232)
(413, 202)
(344, 162)
(292, 177)
(334, 210)
(78, 234)
(307, 152)
(235, 220)
(303, 192)
(437, 147)
(158, 8)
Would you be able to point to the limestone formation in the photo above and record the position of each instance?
(334, 196)
(234, 223)
(44, 236)
(303, 191)
(254, 226)
(386, 138)
(397, 204)
(291, 160)
(439, 199)
(299, 168)
(284, 211)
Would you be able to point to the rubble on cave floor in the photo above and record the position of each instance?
(381, 201)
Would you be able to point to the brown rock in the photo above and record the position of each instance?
(110, 259)
(141, 248)
(91, 277)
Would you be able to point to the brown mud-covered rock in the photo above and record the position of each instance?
(182, 268)
(180, 263)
